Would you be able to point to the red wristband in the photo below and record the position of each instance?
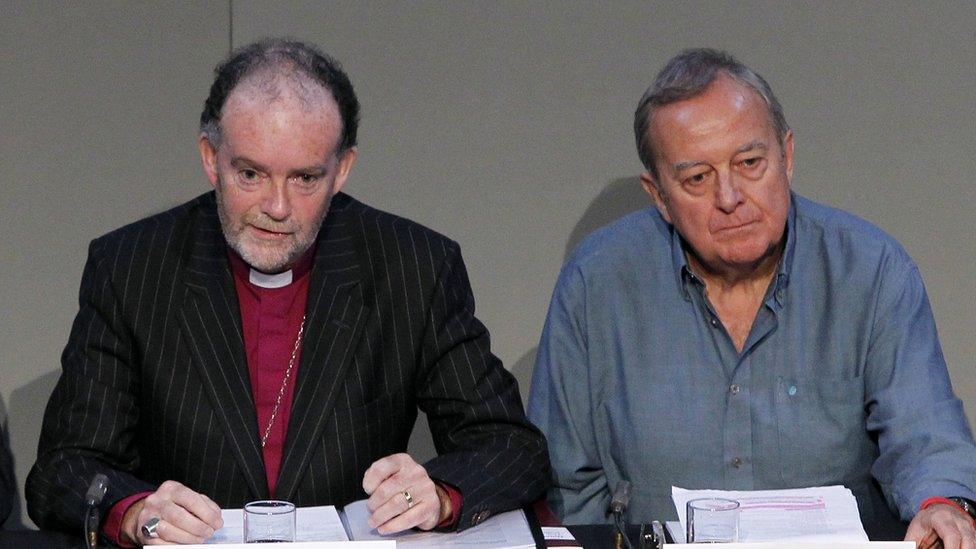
(944, 501)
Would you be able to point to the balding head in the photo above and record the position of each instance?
(277, 69)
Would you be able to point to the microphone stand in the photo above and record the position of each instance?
(618, 504)
(96, 491)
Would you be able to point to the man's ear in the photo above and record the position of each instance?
(788, 155)
(208, 156)
(346, 160)
(651, 187)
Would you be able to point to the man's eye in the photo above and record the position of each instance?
(249, 175)
(307, 181)
(697, 178)
(751, 162)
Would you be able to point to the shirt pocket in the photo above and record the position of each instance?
(822, 434)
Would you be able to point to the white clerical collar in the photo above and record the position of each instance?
(264, 280)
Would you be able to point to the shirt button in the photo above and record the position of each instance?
(714, 322)
(792, 390)
(780, 294)
(736, 462)
(734, 389)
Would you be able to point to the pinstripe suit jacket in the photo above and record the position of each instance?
(155, 386)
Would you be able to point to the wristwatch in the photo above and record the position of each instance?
(967, 505)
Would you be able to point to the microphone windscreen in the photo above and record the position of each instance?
(621, 497)
(97, 489)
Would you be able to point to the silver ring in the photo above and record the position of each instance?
(149, 528)
(409, 498)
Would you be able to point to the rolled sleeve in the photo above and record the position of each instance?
(925, 443)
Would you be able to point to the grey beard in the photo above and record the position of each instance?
(278, 261)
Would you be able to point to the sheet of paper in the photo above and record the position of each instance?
(305, 545)
(312, 524)
(503, 531)
(556, 533)
(824, 513)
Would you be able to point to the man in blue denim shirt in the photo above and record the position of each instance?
(738, 336)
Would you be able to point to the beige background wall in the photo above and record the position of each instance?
(505, 125)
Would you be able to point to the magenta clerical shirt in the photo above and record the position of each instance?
(271, 318)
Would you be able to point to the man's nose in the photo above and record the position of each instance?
(728, 195)
(277, 203)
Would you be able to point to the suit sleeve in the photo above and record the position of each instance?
(89, 425)
(926, 447)
(560, 404)
(486, 447)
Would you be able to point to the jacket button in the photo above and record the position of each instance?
(480, 517)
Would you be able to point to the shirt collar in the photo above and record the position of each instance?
(242, 270)
(685, 278)
(786, 262)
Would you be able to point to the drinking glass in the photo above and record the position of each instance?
(269, 521)
(712, 520)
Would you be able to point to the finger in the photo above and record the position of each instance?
(390, 508)
(420, 513)
(951, 540)
(178, 506)
(380, 470)
(184, 520)
(410, 475)
(200, 506)
(168, 533)
(931, 541)
(916, 532)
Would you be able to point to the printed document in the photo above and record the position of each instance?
(824, 513)
(311, 524)
(505, 530)
(325, 524)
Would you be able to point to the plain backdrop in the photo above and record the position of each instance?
(505, 125)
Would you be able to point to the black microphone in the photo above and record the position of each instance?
(96, 491)
(621, 498)
(618, 505)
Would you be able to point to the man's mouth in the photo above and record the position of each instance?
(269, 233)
(735, 227)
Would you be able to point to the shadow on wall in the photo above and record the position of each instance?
(619, 198)
(8, 483)
(23, 433)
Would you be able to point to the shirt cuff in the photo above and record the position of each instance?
(112, 525)
(456, 500)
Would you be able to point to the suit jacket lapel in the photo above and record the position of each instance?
(212, 325)
(334, 316)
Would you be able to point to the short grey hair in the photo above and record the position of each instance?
(687, 75)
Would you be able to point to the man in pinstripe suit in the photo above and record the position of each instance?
(275, 338)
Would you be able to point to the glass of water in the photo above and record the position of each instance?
(712, 520)
(269, 521)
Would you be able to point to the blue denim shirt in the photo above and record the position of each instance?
(841, 380)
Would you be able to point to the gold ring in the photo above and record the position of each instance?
(409, 498)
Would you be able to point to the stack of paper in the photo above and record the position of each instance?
(503, 531)
(325, 524)
(825, 513)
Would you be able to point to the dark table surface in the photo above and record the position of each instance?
(595, 536)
